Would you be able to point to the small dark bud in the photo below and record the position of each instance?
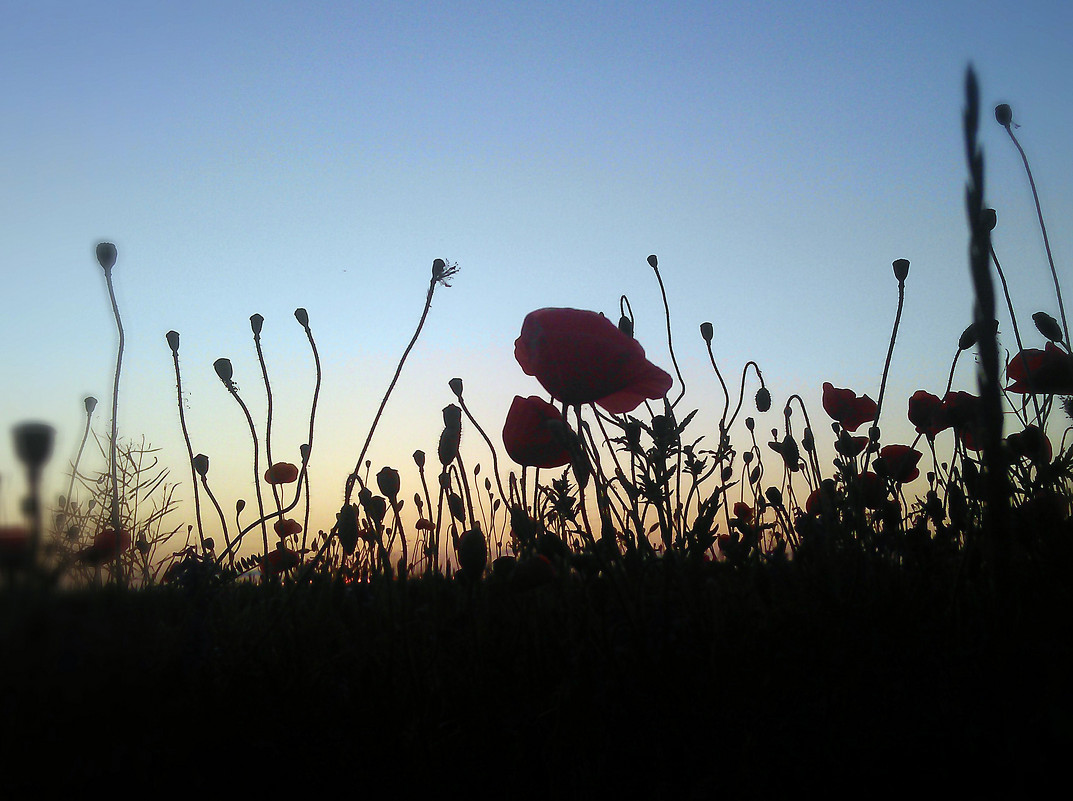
(240, 504)
(707, 332)
(873, 434)
(774, 496)
(173, 341)
(763, 399)
(223, 369)
(728, 472)
(625, 325)
(201, 465)
(989, 218)
(452, 417)
(302, 316)
(807, 441)
(901, 269)
(387, 480)
(456, 387)
(419, 459)
(91, 404)
(754, 475)
(653, 262)
(256, 323)
(750, 423)
(1004, 114)
(1047, 326)
(303, 450)
(106, 255)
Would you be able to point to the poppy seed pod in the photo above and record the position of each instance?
(201, 465)
(989, 218)
(33, 443)
(1047, 326)
(240, 504)
(419, 459)
(774, 496)
(750, 423)
(763, 399)
(223, 369)
(106, 255)
(625, 325)
(1004, 114)
(438, 268)
(256, 323)
(91, 404)
(456, 387)
(707, 332)
(653, 262)
(302, 316)
(173, 341)
(303, 451)
(901, 269)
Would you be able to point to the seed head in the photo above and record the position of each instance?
(1004, 114)
(707, 332)
(901, 269)
(106, 255)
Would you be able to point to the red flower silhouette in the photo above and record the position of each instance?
(926, 412)
(105, 546)
(14, 545)
(844, 406)
(529, 436)
(1047, 372)
(962, 410)
(281, 473)
(278, 561)
(743, 512)
(285, 527)
(898, 462)
(1030, 444)
(582, 357)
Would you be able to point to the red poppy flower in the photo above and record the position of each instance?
(743, 512)
(898, 462)
(424, 525)
(529, 435)
(1047, 372)
(873, 491)
(927, 414)
(844, 406)
(1030, 444)
(281, 473)
(278, 561)
(962, 410)
(850, 447)
(582, 357)
(14, 545)
(285, 527)
(105, 546)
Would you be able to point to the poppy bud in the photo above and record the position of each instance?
(707, 332)
(452, 416)
(173, 341)
(201, 465)
(256, 322)
(346, 526)
(791, 455)
(33, 443)
(303, 451)
(763, 399)
(747, 457)
(1047, 326)
(448, 447)
(418, 502)
(106, 255)
(240, 504)
(456, 387)
(1004, 114)
(653, 262)
(210, 543)
(774, 496)
(438, 266)
(968, 337)
(458, 509)
(388, 482)
(989, 218)
(419, 459)
(901, 269)
(625, 325)
(754, 475)
(223, 369)
(91, 404)
(750, 423)
(807, 441)
(473, 553)
(873, 434)
(302, 316)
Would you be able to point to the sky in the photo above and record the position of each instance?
(259, 157)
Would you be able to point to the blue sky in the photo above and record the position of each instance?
(257, 157)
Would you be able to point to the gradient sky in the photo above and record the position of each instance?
(257, 157)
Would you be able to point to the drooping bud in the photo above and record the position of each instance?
(625, 325)
(240, 504)
(302, 316)
(1004, 114)
(106, 255)
(256, 322)
(763, 399)
(901, 269)
(173, 341)
(989, 218)
(707, 332)
(1047, 326)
